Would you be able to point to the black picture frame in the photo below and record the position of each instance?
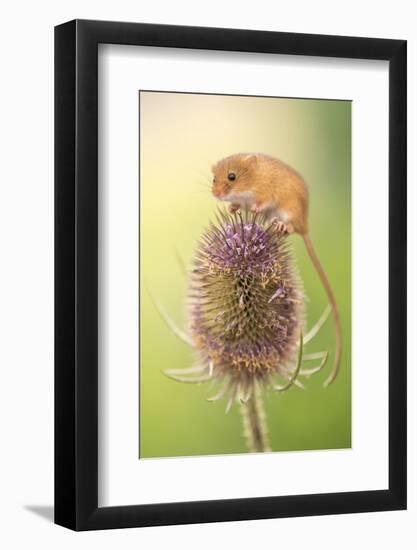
(76, 272)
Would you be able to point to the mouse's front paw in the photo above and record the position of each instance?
(234, 207)
(256, 209)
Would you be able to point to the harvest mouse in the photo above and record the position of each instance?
(262, 183)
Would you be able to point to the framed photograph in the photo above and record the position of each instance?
(230, 284)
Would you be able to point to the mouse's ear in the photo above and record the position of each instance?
(250, 159)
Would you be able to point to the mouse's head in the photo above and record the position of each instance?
(233, 175)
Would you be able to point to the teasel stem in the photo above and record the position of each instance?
(254, 423)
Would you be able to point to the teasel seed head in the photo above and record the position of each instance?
(246, 305)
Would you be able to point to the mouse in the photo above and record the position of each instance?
(262, 183)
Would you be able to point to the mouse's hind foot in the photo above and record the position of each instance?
(281, 227)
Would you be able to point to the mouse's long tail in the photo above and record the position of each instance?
(332, 300)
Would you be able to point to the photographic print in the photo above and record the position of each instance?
(245, 274)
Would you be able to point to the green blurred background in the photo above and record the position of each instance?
(181, 136)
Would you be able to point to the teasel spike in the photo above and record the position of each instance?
(188, 380)
(170, 323)
(314, 370)
(224, 389)
(239, 215)
(232, 398)
(316, 328)
(296, 371)
(190, 370)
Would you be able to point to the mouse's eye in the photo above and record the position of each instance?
(231, 176)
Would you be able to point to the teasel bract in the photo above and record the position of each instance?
(246, 317)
